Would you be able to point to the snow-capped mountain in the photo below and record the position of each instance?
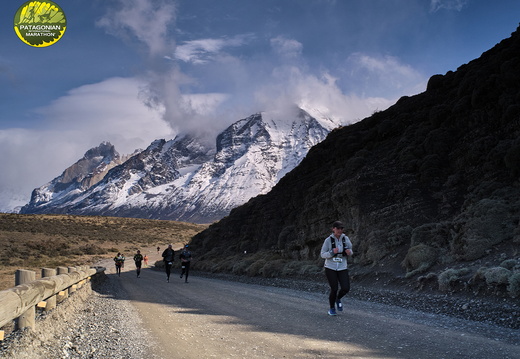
(183, 179)
(78, 178)
(11, 201)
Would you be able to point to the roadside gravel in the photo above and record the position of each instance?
(90, 324)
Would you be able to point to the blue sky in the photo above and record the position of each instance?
(131, 71)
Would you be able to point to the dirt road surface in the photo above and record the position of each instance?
(211, 318)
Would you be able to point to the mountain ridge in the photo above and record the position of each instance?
(184, 179)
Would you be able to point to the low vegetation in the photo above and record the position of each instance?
(36, 241)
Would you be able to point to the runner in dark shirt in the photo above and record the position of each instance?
(168, 256)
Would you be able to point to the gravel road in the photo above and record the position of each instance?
(130, 317)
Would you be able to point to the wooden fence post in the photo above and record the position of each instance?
(27, 319)
(64, 293)
(72, 288)
(51, 301)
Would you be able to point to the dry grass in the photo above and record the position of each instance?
(36, 241)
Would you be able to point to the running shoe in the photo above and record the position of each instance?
(332, 311)
(339, 305)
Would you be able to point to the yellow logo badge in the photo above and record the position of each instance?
(40, 23)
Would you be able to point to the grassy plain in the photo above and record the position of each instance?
(47, 241)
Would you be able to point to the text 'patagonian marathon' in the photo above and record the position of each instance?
(40, 27)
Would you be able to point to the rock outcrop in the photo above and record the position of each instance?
(430, 184)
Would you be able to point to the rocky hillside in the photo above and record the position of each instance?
(429, 188)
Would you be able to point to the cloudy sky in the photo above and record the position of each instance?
(131, 71)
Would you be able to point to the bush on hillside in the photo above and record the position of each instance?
(433, 234)
(255, 267)
(450, 277)
(381, 243)
(514, 285)
(497, 276)
(419, 259)
(240, 267)
(484, 224)
(272, 269)
(510, 264)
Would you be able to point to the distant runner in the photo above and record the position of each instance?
(138, 258)
(168, 256)
(185, 262)
(119, 260)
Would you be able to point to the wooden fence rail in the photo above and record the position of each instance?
(20, 302)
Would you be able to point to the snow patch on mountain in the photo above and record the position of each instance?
(184, 179)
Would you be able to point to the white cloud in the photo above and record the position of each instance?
(202, 51)
(281, 79)
(367, 84)
(457, 5)
(291, 86)
(148, 21)
(286, 48)
(85, 117)
(203, 104)
(110, 110)
(383, 76)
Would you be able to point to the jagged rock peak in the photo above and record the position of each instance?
(105, 149)
(92, 164)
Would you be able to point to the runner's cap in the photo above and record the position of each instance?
(338, 224)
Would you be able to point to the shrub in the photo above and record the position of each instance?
(447, 278)
(291, 268)
(425, 280)
(434, 234)
(92, 249)
(419, 258)
(376, 249)
(240, 267)
(255, 267)
(399, 235)
(514, 285)
(273, 269)
(510, 264)
(311, 270)
(225, 266)
(497, 276)
(381, 243)
(484, 224)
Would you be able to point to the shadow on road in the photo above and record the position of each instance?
(296, 322)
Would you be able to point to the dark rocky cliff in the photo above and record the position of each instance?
(429, 189)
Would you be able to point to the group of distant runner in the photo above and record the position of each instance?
(168, 259)
(335, 250)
